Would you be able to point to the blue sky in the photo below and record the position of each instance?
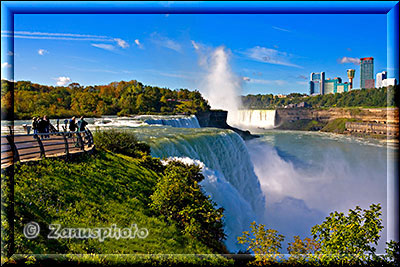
(269, 53)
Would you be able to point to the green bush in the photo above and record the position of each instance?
(179, 197)
(119, 141)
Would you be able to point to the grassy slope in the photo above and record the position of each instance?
(302, 125)
(97, 191)
(337, 125)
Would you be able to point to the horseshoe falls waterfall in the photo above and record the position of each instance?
(255, 118)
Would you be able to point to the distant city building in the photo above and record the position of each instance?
(317, 83)
(335, 85)
(367, 72)
(380, 77)
(321, 86)
(350, 75)
(389, 82)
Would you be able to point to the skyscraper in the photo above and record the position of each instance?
(317, 81)
(367, 72)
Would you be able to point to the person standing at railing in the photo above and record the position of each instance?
(72, 124)
(81, 124)
(46, 126)
(35, 126)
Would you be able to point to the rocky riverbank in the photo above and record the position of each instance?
(378, 123)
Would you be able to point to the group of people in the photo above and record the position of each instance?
(44, 127)
(41, 125)
(76, 126)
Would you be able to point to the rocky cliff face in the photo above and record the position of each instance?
(377, 115)
(217, 119)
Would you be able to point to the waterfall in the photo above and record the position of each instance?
(229, 175)
(180, 122)
(256, 118)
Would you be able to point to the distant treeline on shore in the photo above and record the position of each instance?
(380, 97)
(116, 98)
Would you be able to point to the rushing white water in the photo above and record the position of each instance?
(178, 121)
(221, 87)
(183, 122)
(256, 118)
(224, 151)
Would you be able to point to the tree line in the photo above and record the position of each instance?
(380, 97)
(116, 98)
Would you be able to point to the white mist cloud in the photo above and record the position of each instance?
(221, 87)
(349, 60)
(62, 81)
(301, 188)
(104, 46)
(271, 56)
(42, 52)
(6, 65)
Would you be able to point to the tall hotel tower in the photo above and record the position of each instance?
(367, 72)
(350, 75)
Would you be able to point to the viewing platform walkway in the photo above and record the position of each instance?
(31, 147)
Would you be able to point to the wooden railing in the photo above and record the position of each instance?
(27, 147)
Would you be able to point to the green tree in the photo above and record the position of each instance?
(265, 243)
(301, 250)
(179, 197)
(348, 239)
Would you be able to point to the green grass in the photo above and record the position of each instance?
(95, 191)
(302, 125)
(337, 125)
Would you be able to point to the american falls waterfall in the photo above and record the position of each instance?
(229, 175)
(256, 118)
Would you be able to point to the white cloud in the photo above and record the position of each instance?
(353, 60)
(138, 43)
(64, 36)
(195, 45)
(121, 43)
(271, 56)
(10, 53)
(6, 65)
(165, 42)
(42, 52)
(62, 81)
(280, 29)
(104, 46)
(55, 34)
(259, 81)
